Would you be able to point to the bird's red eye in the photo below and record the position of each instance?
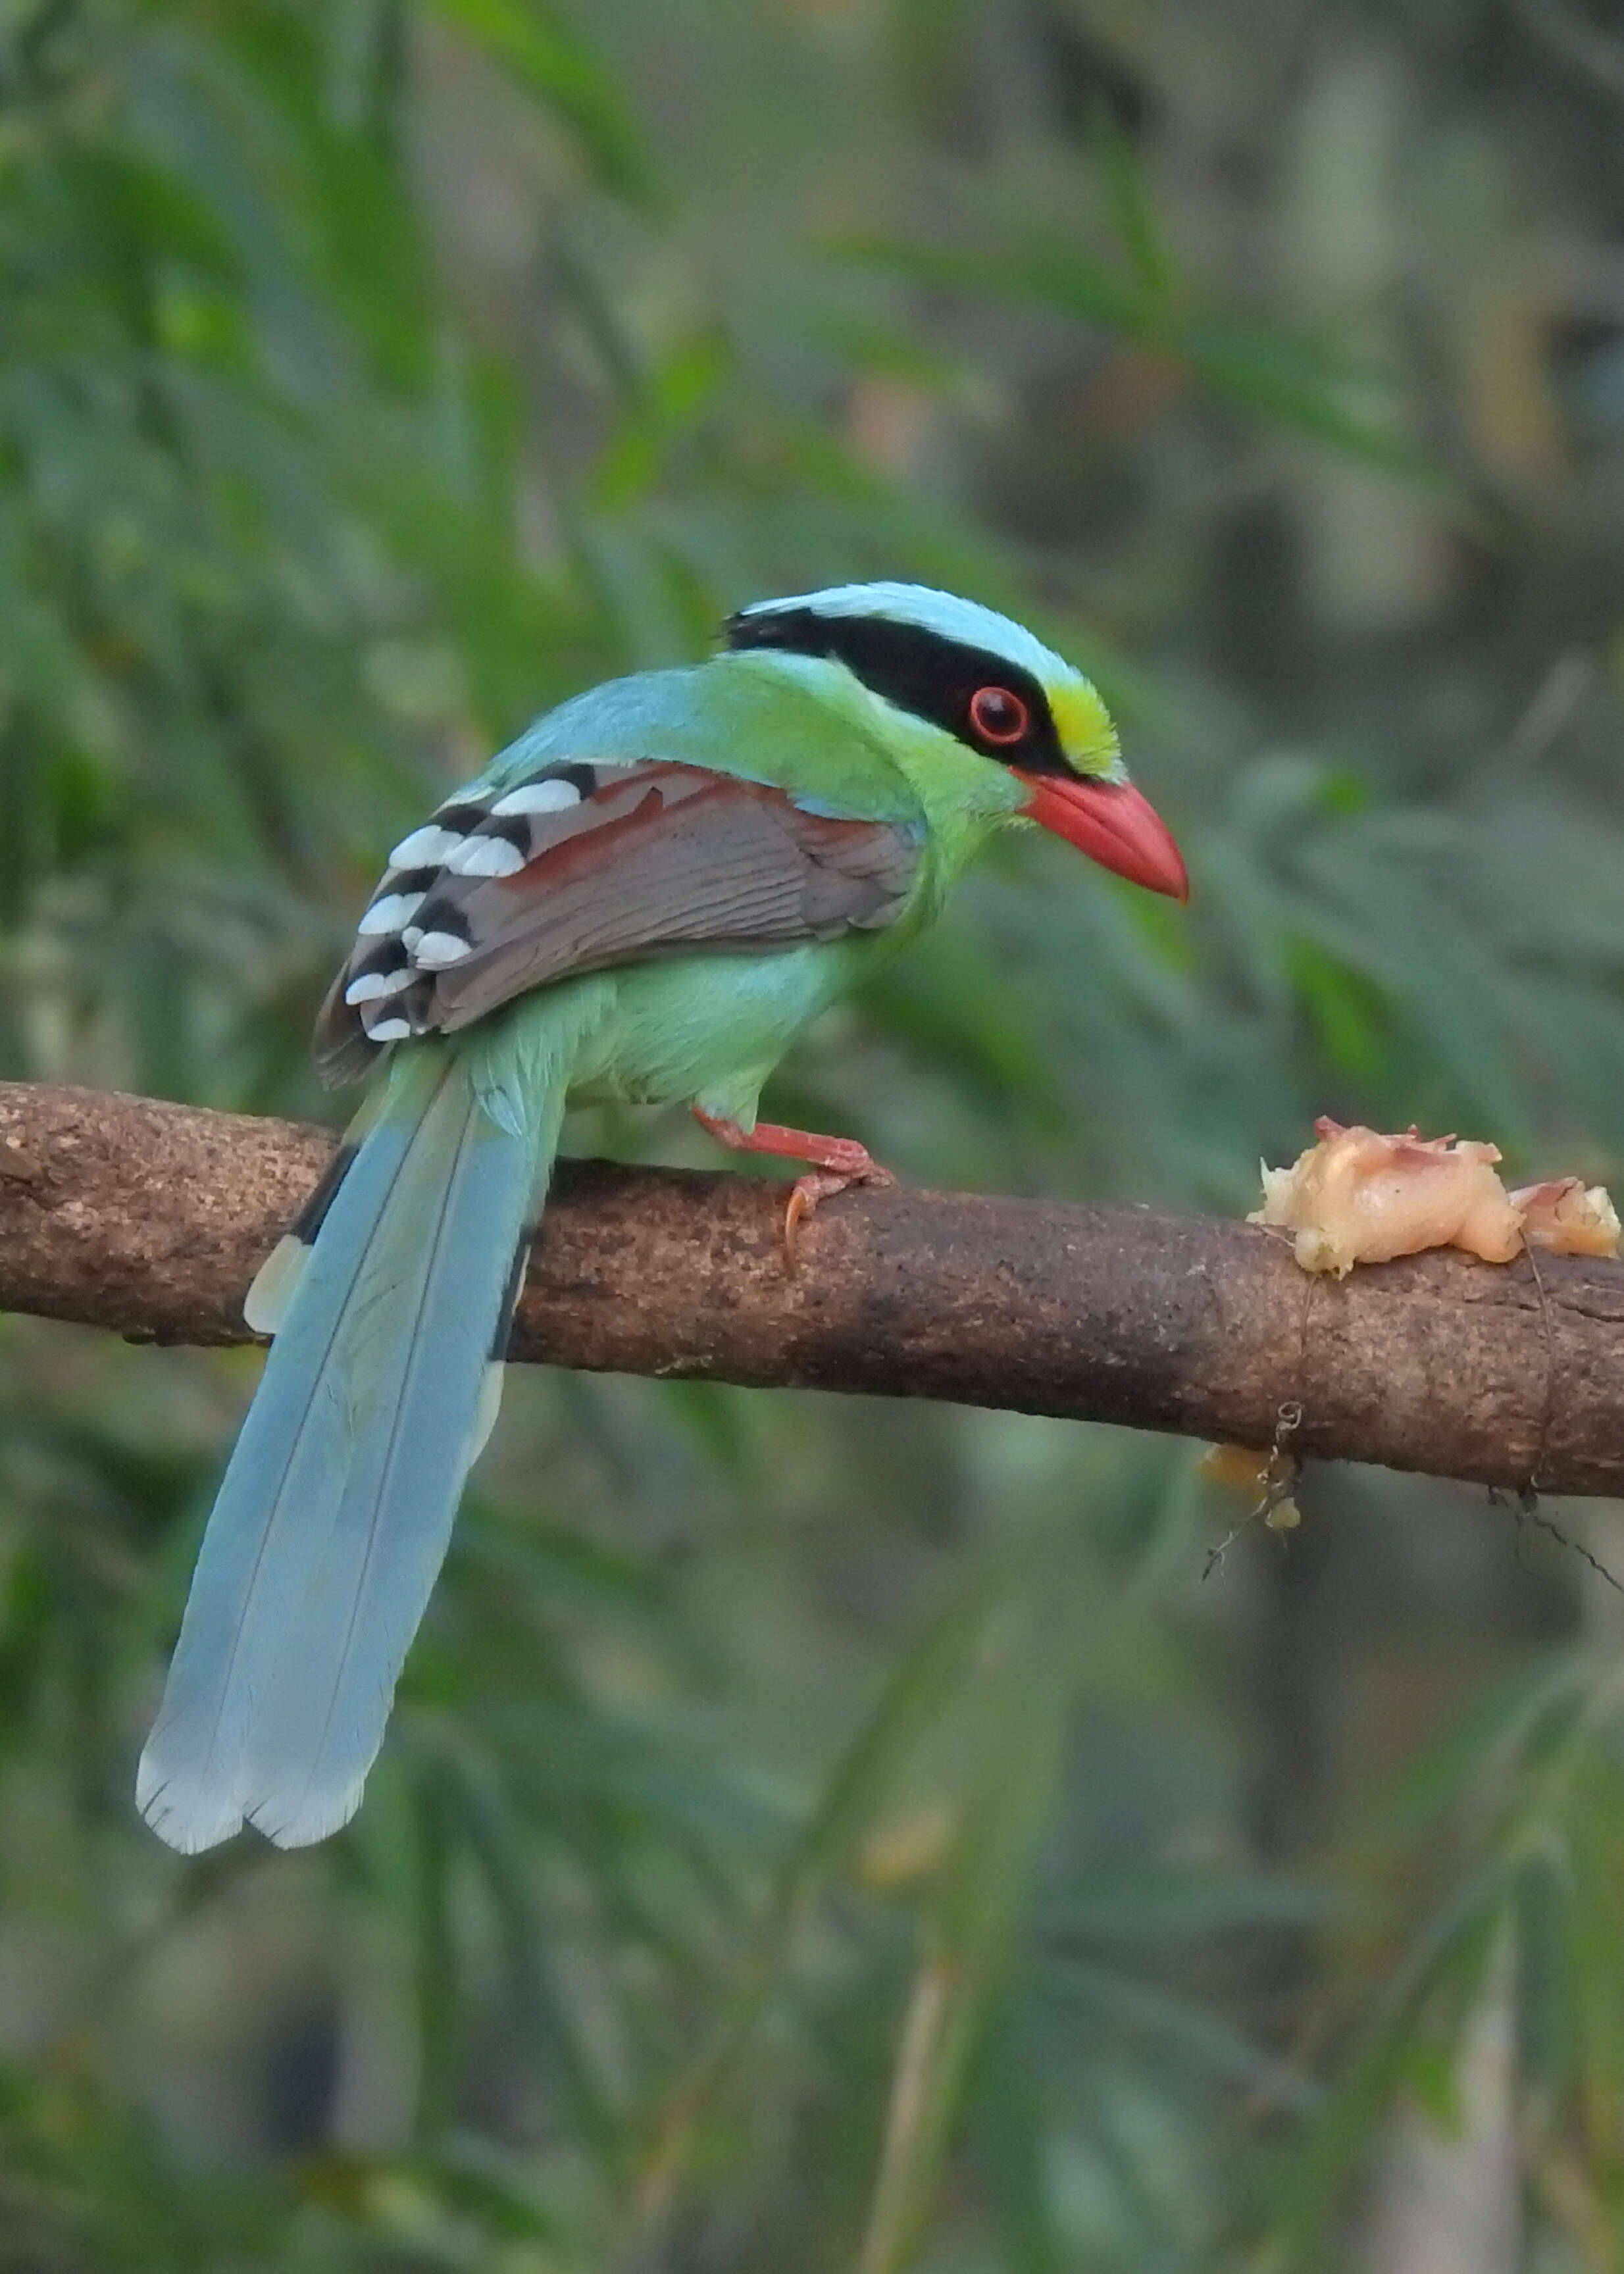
(999, 716)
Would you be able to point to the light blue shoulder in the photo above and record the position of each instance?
(785, 721)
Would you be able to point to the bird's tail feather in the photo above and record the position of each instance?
(334, 1513)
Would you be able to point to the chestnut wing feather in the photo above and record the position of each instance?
(528, 883)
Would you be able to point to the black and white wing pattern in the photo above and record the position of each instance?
(583, 866)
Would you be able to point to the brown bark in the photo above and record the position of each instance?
(151, 1219)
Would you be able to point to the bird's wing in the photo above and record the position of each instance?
(579, 866)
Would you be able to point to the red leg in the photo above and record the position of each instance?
(837, 1162)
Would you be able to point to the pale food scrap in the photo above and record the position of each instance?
(1359, 1197)
(1240, 1467)
(1568, 1217)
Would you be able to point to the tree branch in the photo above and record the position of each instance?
(151, 1219)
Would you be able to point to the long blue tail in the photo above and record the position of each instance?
(335, 1511)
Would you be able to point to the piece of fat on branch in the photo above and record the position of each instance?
(1568, 1217)
(1360, 1197)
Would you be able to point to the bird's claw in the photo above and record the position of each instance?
(855, 1167)
(836, 1162)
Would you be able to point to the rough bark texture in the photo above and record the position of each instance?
(151, 1219)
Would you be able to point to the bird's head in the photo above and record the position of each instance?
(998, 691)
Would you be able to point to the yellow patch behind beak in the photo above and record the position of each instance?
(1083, 725)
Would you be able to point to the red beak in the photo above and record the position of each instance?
(1113, 825)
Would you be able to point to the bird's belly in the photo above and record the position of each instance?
(711, 1027)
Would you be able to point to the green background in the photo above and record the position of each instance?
(822, 1835)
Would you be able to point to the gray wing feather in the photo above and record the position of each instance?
(584, 867)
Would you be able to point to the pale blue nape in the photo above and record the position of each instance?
(763, 714)
(967, 622)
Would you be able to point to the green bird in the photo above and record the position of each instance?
(645, 898)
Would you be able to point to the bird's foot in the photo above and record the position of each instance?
(837, 1163)
(823, 1185)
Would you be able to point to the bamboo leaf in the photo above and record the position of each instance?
(528, 37)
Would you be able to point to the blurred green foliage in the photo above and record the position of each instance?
(816, 1834)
